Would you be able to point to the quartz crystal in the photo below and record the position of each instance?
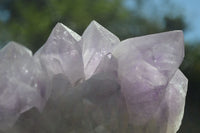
(62, 54)
(96, 42)
(93, 83)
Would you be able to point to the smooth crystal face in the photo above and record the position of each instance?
(62, 55)
(96, 42)
(94, 83)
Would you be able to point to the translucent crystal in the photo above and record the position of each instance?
(174, 102)
(165, 51)
(145, 67)
(94, 83)
(96, 42)
(23, 84)
(62, 54)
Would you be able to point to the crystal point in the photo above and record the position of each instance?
(62, 54)
(165, 51)
(175, 100)
(96, 42)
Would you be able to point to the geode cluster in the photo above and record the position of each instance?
(93, 84)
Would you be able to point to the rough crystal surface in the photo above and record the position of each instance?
(94, 83)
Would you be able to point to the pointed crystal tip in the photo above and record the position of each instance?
(72, 33)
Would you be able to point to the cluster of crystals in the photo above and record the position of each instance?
(94, 83)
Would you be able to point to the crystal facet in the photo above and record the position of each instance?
(96, 42)
(62, 54)
(165, 51)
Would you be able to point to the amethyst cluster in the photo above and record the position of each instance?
(97, 83)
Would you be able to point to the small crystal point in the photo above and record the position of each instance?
(70, 32)
(96, 42)
(62, 54)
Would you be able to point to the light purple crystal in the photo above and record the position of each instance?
(96, 42)
(174, 101)
(22, 83)
(133, 86)
(146, 65)
(62, 54)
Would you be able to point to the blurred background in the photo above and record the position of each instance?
(30, 22)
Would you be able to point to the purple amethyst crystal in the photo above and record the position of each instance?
(96, 82)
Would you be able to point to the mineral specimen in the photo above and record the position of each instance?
(94, 83)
